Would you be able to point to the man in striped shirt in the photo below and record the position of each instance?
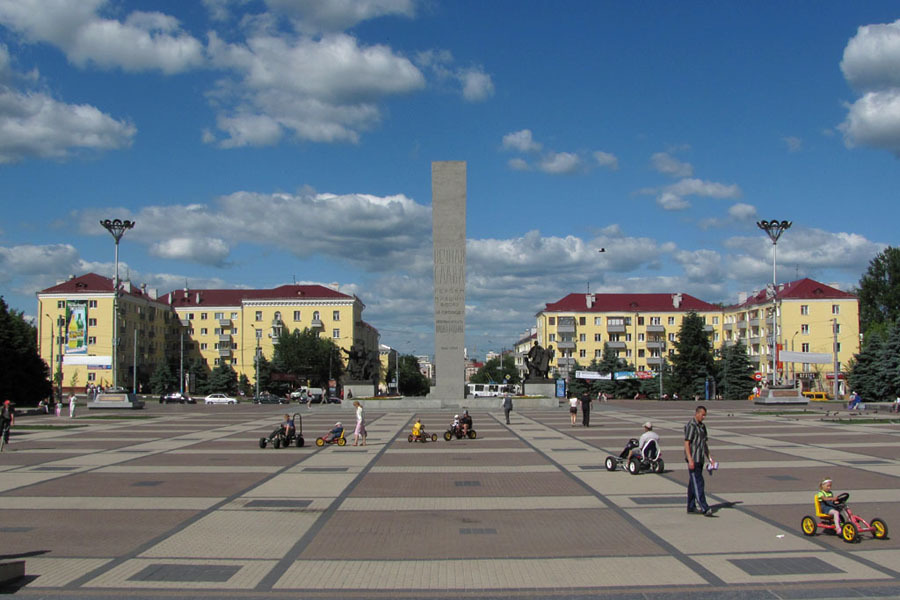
(696, 450)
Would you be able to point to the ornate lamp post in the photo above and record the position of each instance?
(774, 229)
(52, 364)
(117, 228)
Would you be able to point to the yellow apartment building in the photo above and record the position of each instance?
(640, 328)
(219, 326)
(75, 331)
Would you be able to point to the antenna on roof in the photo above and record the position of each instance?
(294, 276)
(589, 287)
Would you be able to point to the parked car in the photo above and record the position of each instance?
(220, 399)
(179, 398)
(267, 398)
(817, 396)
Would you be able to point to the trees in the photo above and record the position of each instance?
(412, 382)
(693, 362)
(23, 375)
(223, 379)
(875, 371)
(879, 292)
(163, 380)
(494, 372)
(734, 372)
(307, 356)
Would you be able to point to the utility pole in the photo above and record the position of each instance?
(835, 358)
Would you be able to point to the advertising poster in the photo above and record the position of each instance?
(76, 327)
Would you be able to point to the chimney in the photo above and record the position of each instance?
(742, 297)
(676, 300)
(589, 300)
(154, 293)
(198, 298)
(144, 288)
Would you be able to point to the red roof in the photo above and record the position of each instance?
(802, 289)
(630, 303)
(234, 297)
(93, 283)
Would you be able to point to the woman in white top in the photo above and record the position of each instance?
(360, 431)
(573, 408)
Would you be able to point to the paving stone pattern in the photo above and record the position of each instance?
(186, 500)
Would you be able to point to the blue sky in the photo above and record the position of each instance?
(262, 142)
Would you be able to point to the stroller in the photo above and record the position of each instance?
(648, 460)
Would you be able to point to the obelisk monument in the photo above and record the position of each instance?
(448, 220)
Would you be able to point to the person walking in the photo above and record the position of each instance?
(507, 405)
(72, 403)
(586, 409)
(360, 431)
(7, 421)
(573, 408)
(696, 450)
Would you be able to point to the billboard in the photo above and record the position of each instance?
(76, 327)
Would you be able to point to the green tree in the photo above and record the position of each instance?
(693, 362)
(223, 379)
(23, 375)
(163, 379)
(308, 357)
(412, 382)
(494, 372)
(889, 365)
(265, 378)
(879, 291)
(576, 387)
(608, 365)
(244, 386)
(199, 373)
(865, 375)
(734, 372)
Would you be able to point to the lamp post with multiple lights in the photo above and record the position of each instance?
(117, 229)
(774, 229)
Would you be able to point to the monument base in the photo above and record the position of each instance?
(129, 401)
(782, 396)
(539, 387)
(358, 389)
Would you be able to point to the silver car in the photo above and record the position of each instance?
(220, 399)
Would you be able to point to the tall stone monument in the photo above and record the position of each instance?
(448, 221)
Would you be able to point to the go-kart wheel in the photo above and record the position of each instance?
(276, 443)
(448, 436)
(634, 466)
(808, 525)
(300, 441)
(660, 466)
(320, 442)
(849, 532)
(610, 463)
(262, 442)
(879, 529)
(472, 435)
(342, 442)
(410, 438)
(433, 437)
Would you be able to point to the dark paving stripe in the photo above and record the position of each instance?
(186, 573)
(658, 499)
(326, 469)
(785, 565)
(278, 504)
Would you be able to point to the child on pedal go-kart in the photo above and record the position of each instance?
(826, 501)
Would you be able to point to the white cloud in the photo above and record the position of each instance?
(794, 143)
(672, 197)
(870, 65)
(605, 159)
(474, 83)
(522, 141)
(338, 15)
(672, 201)
(518, 164)
(703, 266)
(208, 251)
(669, 165)
(144, 41)
(742, 212)
(30, 260)
(561, 163)
(477, 85)
(32, 124)
(871, 57)
(322, 89)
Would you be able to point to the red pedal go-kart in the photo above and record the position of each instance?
(851, 525)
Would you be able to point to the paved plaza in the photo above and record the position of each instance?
(184, 499)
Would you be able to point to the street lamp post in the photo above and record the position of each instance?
(52, 364)
(117, 229)
(774, 229)
(184, 323)
(258, 336)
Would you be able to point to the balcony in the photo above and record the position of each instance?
(565, 325)
(316, 323)
(224, 352)
(224, 322)
(565, 361)
(656, 328)
(224, 337)
(753, 340)
(728, 326)
(742, 324)
(615, 328)
(707, 328)
(276, 322)
(754, 322)
(617, 345)
(656, 345)
(654, 360)
(565, 345)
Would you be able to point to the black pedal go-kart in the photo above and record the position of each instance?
(457, 432)
(281, 438)
(651, 459)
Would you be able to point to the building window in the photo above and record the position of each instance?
(805, 367)
(203, 331)
(202, 316)
(598, 337)
(259, 315)
(804, 309)
(220, 316)
(234, 315)
(277, 317)
(552, 337)
(91, 340)
(835, 309)
(551, 321)
(598, 320)
(316, 316)
(804, 347)
(837, 327)
(641, 353)
(655, 321)
(615, 321)
(92, 377)
(218, 331)
(640, 337)
(335, 333)
(804, 329)
(640, 320)
(837, 347)
(216, 346)
(628, 353)
(92, 322)
(671, 337)
(296, 315)
(92, 304)
(582, 337)
(582, 320)
(60, 304)
(203, 346)
(627, 337)
(190, 316)
(582, 354)
(671, 320)
(216, 361)
(598, 353)
(336, 315)
(715, 320)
